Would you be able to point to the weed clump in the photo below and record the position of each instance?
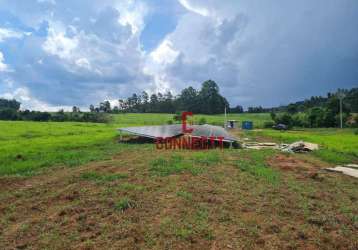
(186, 195)
(124, 203)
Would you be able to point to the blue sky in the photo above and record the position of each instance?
(56, 54)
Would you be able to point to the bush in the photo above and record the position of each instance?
(169, 122)
(202, 121)
(284, 118)
(268, 124)
(9, 114)
(177, 116)
(96, 117)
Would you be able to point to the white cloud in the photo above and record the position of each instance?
(59, 45)
(132, 13)
(193, 8)
(81, 52)
(3, 67)
(8, 33)
(84, 63)
(164, 53)
(23, 95)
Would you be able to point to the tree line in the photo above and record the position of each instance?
(350, 101)
(319, 111)
(10, 110)
(207, 100)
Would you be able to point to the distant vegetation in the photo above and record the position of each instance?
(10, 111)
(318, 112)
(207, 100)
(315, 112)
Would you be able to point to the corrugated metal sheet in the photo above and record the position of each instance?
(176, 130)
(155, 131)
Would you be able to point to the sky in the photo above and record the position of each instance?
(60, 53)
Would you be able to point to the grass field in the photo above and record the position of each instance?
(73, 186)
(29, 146)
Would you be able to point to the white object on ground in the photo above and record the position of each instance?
(345, 170)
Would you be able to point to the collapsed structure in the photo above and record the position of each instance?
(201, 134)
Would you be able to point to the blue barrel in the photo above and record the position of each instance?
(247, 125)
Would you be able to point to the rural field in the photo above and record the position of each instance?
(73, 185)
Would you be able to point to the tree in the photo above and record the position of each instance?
(75, 109)
(145, 101)
(105, 107)
(238, 109)
(91, 108)
(209, 99)
(316, 117)
(292, 108)
(188, 100)
(284, 118)
(9, 104)
(153, 103)
(145, 97)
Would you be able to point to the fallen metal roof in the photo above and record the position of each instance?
(176, 130)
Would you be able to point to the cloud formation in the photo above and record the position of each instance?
(61, 53)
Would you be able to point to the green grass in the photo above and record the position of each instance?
(177, 163)
(26, 147)
(185, 195)
(203, 158)
(98, 177)
(124, 203)
(254, 163)
(337, 146)
(174, 165)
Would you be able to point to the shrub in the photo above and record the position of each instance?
(268, 124)
(284, 118)
(177, 116)
(202, 121)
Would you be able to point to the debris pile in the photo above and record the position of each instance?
(296, 147)
(261, 145)
(299, 147)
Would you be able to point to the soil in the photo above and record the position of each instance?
(221, 208)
